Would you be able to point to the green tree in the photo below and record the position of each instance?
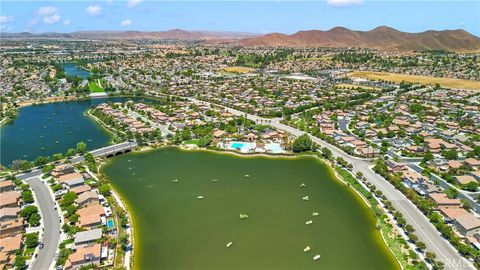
(302, 143)
(70, 152)
(20, 262)
(450, 154)
(124, 242)
(81, 147)
(28, 211)
(68, 199)
(427, 157)
(41, 160)
(104, 189)
(326, 153)
(31, 240)
(452, 193)
(27, 196)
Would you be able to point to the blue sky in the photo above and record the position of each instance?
(247, 16)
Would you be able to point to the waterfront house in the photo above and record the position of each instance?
(87, 237)
(84, 255)
(91, 216)
(87, 198)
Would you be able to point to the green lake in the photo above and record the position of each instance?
(174, 229)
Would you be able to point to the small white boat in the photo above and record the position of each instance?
(303, 185)
(315, 214)
(306, 249)
(214, 180)
(247, 175)
(306, 198)
(229, 244)
(309, 222)
(200, 197)
(175, 180)
(316, 257)
(243, 216)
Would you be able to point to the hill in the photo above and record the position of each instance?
(379, 38)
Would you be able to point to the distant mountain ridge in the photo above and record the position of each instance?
(382, 37)
(177, 34)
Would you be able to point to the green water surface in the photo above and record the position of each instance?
(176, 230)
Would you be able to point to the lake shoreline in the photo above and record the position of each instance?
(142, 150)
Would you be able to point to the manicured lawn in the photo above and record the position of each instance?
(94, 88)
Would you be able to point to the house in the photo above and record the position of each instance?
(80, 189)
(467, 224)
(87, 237)
(451, 213)
(84, 255)
(11, 227)
(6, 185)
(9, 199)
(472, 163)
(62, 169)
(219, 133)
(8, 248)
(11, 244)
(393, 166)
(91, 216)
(411, 178)
(9, 213)
(441, 199)
(464, 179)
(87, 198)
(71, 180)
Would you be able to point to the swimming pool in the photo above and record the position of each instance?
(274, 148)
(110, 224)
(241, 146)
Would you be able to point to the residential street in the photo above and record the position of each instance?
(425, 231)
(51, 224)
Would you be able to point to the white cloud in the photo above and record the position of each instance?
(66, 22)
(51, 19)
(47, 10)
(344, 3)
(6, 19)
(94, 10)
(133, 3)
(127, 22)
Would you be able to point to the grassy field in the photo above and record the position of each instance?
(238, 69)
(393, 77)
(355, 86)
(95, 88)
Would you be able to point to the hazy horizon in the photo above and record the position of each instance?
(228, 16)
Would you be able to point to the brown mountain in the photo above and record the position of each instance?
(379, 38)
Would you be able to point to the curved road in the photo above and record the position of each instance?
(425, 231)
(51, 224)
